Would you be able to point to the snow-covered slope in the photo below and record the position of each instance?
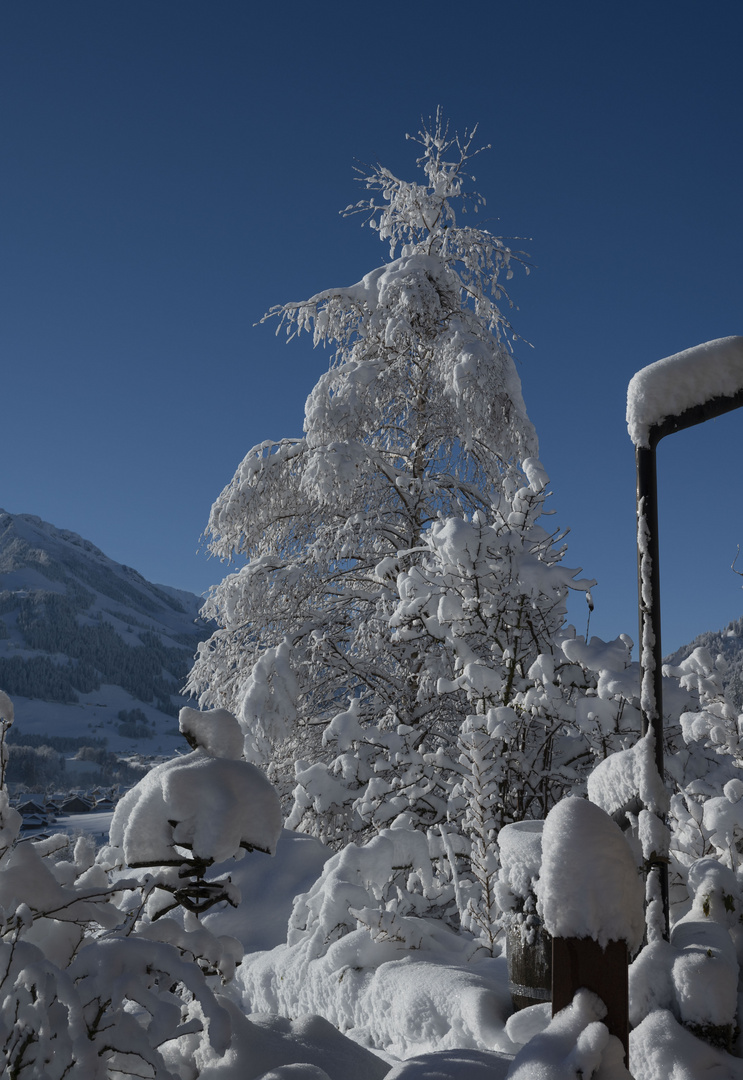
(729, 644)
(84, 639)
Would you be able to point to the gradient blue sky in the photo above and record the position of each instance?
(170, 170)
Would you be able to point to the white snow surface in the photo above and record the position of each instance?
(629, 775)
(524, 1024)
(215, 730)
(589, 885)
(705, 967)
(419, 1004)
(575, 1044)
(661, 1049)
(679, 382)
(278, 1048)
(218, 805)
(453, 1065)
(267, 889)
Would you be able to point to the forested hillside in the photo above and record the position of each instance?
(88, 645)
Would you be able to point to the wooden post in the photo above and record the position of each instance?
(582, 963)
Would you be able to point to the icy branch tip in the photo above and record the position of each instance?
(671, 386)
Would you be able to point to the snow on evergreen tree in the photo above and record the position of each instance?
(419, 416)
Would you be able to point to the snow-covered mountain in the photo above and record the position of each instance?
(729, 644)
(90, 650)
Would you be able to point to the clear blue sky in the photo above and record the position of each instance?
(170, 170)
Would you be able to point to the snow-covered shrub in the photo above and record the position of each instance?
(705, 970)
(478, 906)
(82, 995)
(483, 608)
(373, 892)
(703, 760)
(191, 812)
(493, 593)
(695, 975)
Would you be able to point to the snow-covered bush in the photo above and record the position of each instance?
(705, 814)
(493, 594)
(193, 811)
(82, 994)
(705, 971)
(483, 608)
(377, 889)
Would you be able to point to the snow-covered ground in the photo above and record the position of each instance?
(312, 999)
(436, 1013)
(95, 716)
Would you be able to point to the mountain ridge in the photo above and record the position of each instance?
(87, 643)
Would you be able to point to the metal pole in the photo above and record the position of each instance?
(648, 583)
(648, 577)
(651, 652)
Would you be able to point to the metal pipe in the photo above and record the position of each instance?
(651, 652)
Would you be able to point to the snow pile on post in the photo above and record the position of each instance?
(589, 886)
(679, 382)
(520, 846)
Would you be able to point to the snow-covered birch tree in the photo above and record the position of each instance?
(419, 418)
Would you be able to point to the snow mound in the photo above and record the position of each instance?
(661, 1048)
(267, 889)
(218, 806)
(406, 1007)
(453, 1065)
(628, 779)
(216, 731)
(575, 1044)
(277, 1048)
(705, 970)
